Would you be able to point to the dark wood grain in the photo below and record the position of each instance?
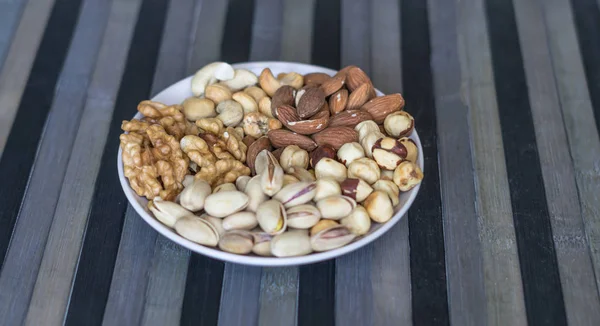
(106, 216)
(537, 256)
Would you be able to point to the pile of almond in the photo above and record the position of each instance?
(327, 158)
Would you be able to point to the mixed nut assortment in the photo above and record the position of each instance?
(279, 166)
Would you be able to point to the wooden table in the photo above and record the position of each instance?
(505, 230)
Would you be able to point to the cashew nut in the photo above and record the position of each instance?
(264, 107)
(209, 74)
(248, 103)
(230, 112)
(218, 93)
(242, 78)
(293, 79)
(256, 92)
(268, 82)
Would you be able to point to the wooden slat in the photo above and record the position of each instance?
(53, 285)
(390, 269)
(425, 225)
(18, 61)
(240, 298)
(22, 142)
(10, 13)
(278, 296)
(296, 34)
(583, 95)
(165, 293)
(266, 30)
(503, 287)
(127, 294)
(237, 33)
(353, 292)
(537, 257)
(464, 264)
(105, 220)
(573, 256)
(29, 238)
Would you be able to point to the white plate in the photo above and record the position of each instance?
(179, 91)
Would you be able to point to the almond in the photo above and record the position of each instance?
(283, 96)
(322, 114)
(355, 77)
(335, 136)
(333, 84)
(344, 71)
(381, 107)
(360, 96)
(290, 119)
(248, 140)
(256, 147)
(310, 103)
(282, 138)
(277, 152)
(316, 78)
(349, 118)
(337, 101)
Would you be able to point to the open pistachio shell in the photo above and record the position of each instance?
(262, 243)
(331, 238)
(225, 187)
(238, 242)
(336, 207)
(225, 203)
(255, 194)
(303, 216)
(272, 217)
(193, 196)
(291, 243)
(167, 212)
(197, 230)
(297, 193)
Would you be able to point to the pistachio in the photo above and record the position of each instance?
(407, 175)
(331, 238)
(271, 177)
(356, 189)
(197, 108)
(240, 221)
(238, 242)
(297, 193)
(324, 151)
(262, 160)
(350, 152)
(241, 182)
(412, 152)
(330, 168)
(293, 156)
(389, 188)
(388, 153)
(272, 217)
(327, 187)
(399, 124)
(262, 243)
(197, 230)
(322, 225)
(167, 212)
(364, 168)
(336, 207)
(225, 203)
(303, 216)
(217, 223)
(379, 206)
(192, 197)
(358, 222)
(255, 194)
(224, 187)
(301, 174)
(291, 243)
(288, 179)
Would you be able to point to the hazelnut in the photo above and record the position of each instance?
(399, 124)
(364, 168)
(407, 175)
(388, 153)
(356, 189)
(387, 175)
(322, 225)
(327, 187)
(358, 222)
(369, 140)
(321, 152)
(350, 152)
(379, 206)
(412, 152)
(293, 156)
(366, 127)
(328, 167)
(390, 188)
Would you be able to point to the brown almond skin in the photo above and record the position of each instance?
(333, 85)
(338, 101)
(248, 140)
(360, 96)
(355, 77)
(349, 118)
(277, 152)
(381, 107)
(282, 138)
(256, 147)
(283, 96)
(310, 103)
(344, 71)
(325, 151)
(290, 119)
(316, 78)
(336, 136)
